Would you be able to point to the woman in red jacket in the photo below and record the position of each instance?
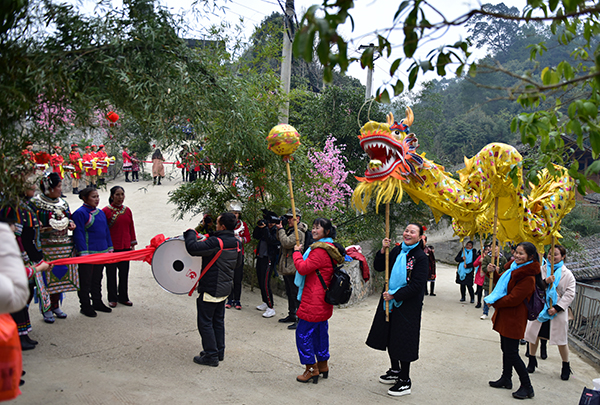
(312, 337)
(510, 318)
(122, 233)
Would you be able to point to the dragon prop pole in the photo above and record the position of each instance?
(283, 140)
(551, 264)
(289, 176)
(387, 260)
(495, 256)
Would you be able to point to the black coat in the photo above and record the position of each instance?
(469, 277)
(400, 336)
(218, 280)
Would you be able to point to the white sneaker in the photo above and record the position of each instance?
(269, 313)
(262, 307)
(483, 317)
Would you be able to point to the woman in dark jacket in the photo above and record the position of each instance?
(91, 236)
(312, 337)
(464, 274)
(400, 336)
(510, 318)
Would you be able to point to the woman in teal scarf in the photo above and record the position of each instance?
(553, 322)
(464, 274)
(404, 298)
(510, 317)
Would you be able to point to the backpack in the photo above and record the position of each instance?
(535, 303)
(340, 288)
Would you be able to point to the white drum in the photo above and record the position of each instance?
(174, 269)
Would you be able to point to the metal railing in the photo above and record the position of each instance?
(586, 312)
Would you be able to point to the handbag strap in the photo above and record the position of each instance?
(208, 266)
(321, 277)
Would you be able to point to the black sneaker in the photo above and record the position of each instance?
(390, 377)
(102, 308)
(402, 387)
(288, 319)
(206, 361)
(221, 356)
(293, 326)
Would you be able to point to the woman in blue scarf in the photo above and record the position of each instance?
(312, 331)
(404, 297)
(553, 322)
(510, 317)
(464, 273)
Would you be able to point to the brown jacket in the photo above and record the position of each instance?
(287, 238)
(510, 318)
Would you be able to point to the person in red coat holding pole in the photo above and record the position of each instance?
(312, 336)
(514, 287)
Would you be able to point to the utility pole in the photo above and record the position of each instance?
(286, 62)
(368, 91)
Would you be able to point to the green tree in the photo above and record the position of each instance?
(579, 72)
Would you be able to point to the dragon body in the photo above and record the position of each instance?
(396, 167)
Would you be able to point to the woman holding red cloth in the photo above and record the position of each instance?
(122, 233)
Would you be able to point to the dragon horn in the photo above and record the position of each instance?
(410, 117)
(390, 119)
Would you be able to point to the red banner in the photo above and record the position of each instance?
(107, 258)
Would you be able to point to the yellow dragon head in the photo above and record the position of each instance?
(392, 149)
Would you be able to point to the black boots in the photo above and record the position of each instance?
(503, 382)
(543, 350)
(566, 371)
(532, 364)
(524, 392)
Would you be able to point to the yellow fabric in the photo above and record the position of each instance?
(206, 297)
(470, 199)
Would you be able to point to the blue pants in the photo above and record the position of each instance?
(312, 339)
(486, 308)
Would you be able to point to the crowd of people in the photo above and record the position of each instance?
(305, 260)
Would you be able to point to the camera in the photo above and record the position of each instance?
(261, 222)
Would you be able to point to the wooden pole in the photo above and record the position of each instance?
(289, 175)
(387, 260)
(551, 253)
(494, 254)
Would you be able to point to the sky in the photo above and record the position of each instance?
(370, 17)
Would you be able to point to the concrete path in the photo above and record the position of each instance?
(143, 354)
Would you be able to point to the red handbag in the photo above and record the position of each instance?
(11, 362)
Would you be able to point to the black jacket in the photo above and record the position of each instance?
(401, 335)
(268, 236)
(218, 280)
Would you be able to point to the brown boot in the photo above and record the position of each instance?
(323, 368)
(311, 373)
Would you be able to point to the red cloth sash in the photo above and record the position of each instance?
(107, 258)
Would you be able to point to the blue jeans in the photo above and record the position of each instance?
(486, 309)
(312, 339)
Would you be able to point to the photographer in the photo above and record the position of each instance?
(287, 238)
(266, 256)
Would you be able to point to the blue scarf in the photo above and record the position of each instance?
(501, 288)
(299, 279)
(462, 271)
(398, 275)
(551, 295)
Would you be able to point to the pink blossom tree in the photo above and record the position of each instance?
(330, 191)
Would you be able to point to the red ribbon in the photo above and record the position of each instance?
(108, 258)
